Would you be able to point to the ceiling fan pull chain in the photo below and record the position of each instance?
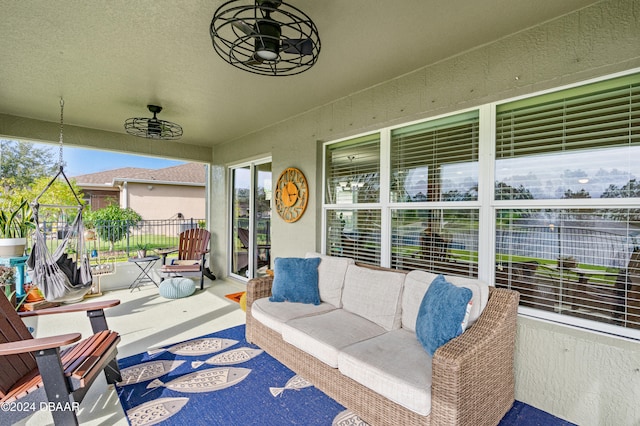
(61, 135)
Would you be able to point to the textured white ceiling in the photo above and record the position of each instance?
(110, 59)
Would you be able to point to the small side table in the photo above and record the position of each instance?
(18, 263)
(145, 264)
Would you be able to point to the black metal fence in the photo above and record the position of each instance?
(122, 238)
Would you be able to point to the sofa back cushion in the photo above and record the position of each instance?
(416, 285)
(331, 273)
(374, 294)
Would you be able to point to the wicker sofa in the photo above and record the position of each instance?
(471, 380)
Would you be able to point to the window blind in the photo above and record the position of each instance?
(354, 233)
(352, 171)
(443, 241)
(572, 262)
(436, 160)
(569, 257)
(571, 144)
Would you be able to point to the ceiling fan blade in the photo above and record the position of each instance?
(154, 127)
(297, 46)
(255, 60)
(244, 27)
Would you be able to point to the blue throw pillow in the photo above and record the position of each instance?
(295, 280)
(441, 313)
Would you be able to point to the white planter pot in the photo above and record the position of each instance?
(12, 247)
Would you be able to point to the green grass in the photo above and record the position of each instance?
(120, 248)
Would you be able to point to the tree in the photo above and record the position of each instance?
(569, 194)
(58, 193)
(508, 192)
(503, 191)
(113, 222)
(21, 164)
(629, 189)
(25, 170)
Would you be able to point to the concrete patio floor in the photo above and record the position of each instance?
(144, 320)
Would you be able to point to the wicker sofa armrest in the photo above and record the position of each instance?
(257, 288)
(478, 367)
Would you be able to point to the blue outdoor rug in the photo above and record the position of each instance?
(220, 379)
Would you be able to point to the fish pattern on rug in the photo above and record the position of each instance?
(234, 356)
(147, 371)
(204, 346)
(184, 383)
(348, 418)
(155, 411)
(296, 383)
(158, 388)
(209, 380)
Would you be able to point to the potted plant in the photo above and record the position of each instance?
(15, 226)
(7, 279)
(7, 282)
(142, 249)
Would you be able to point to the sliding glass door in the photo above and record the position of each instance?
(250, 251)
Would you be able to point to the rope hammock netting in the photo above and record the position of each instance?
(59, 277)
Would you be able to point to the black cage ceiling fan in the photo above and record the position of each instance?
(268, 37)
(153, 128)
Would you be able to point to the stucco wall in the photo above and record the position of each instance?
(580, 376)
(150, 200)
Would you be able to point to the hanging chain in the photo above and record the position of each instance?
(61, 135)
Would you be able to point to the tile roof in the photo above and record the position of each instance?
(107, 177)
(184, 173)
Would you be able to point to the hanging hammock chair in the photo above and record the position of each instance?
(59, 277)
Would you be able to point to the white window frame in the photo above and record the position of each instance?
(230, 169)
(486, 202)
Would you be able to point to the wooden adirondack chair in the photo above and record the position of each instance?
(36, 372)
(193, 246)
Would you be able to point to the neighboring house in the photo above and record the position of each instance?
(172, 192)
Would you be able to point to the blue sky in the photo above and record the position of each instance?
(80, 161)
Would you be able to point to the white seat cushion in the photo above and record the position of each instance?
(323, 336)
(331, 272)
(394, 365)
(416, 284)
(274, 314)
(374, 295)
